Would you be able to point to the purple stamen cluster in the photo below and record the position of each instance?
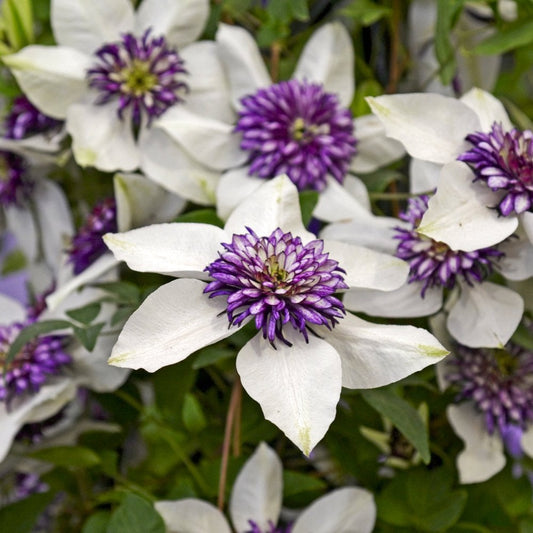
(277, 280)
(499, 382)
(15, 187)
(33, 365)
(254, 528)
(504, 161)
(88, 245)
(24, 119)
(142, 73)
(298, 129)
(434, 263)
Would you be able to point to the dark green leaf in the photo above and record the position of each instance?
(366, 12)
(308, 201)
(444, 50)
(97, 523)
(121, 315)
(88, 335)
(211, 354)
(69, 456)
(136, 515)
(201, 216)
(20, 517)
(85, 314)
(296, 483)
(192, 414)
(519, 33)
(405, 417)
(124, 291)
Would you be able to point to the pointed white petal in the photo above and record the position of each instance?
(374, 355)
(11, 310)
(527, 442)
(488, 108)
(257, 491)
(234, 186)
(430, 126)
(244, 64)
(517, 264)
(209, 141)
(164, 161)
(485, 315)
(366, 268)
(191, 516)
(374, 149)
(101, 139)
(405, 302)
(328, 58)
(209, 91)
(86, 26)
(21, 223)
(174, 248)
(141, 202)
(173, 322)
(483, 454)
(52, 77)
(180, 22)
(526, 220)
(349, 509)
(298, 387)
(274, 205)
(423, 176)
(459, 213)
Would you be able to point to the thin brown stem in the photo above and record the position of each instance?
(236, 445)
(230, 417)
(275, 52)
(394, 64)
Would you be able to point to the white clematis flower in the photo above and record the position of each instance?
(134, 92)
(265, 267)
(256, 504)
(301, 127)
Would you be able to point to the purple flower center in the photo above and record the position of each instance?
(298, 129)
(142, 73)
(504, 161)
(277, 280)
(24, 119)
(87, 245)
(498, 382)
(15, 186)
(434, 263)
(255, 528)
(33, 365)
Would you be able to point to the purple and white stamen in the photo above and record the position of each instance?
(504, 161)
(434, 263)
(296, 128)
(277, 280)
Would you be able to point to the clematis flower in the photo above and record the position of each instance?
(264, 267)
(256, 504)
(301, 127)
(134, 92)
(474, 207)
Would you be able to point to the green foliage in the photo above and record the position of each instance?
(366, 12)
(69, 456)
(17, 23)
(13, 262)
(20, 517)
(447, 13)
(135, 515)
(308, 201)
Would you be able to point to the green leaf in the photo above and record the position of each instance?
(201, 216)
(296, 483)
(85, 314)
(18, 22)
(136, 515)
(444, 49)
(519, 33)
(523, 337)
(31, 332)
(365, 88)
(13, 262)
(308, 201)
(97, 523)
(20, 517)
(121, 314)
(286, 12)
(405, 417)
(69, 456)
(211, 354)
(192, 414)
(124, 291)
(88, 335)
(366, 12)
(526, 525)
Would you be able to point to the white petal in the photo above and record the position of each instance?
(367, 268)
(405, 302)
(349, 509)
(141, 202)
(52, 77)
(517, 263)
(374, 149)
(527, 442)
(210, 142)
(168, 164)
(101, 139)
(488, 108)
(328, 58)
(234, 186)
(209, 91)
(174, 248)
(11, 310)
(274, 205)
(21, 223)
(181, 22)
(86, 26)
(374, 355)
(423, 176)
(430, 126)
(173, 322)
(459, 213)
(485, 315)
(483, 454)
(244, 64)
(526, 220)
(298, 387)
(191, 516)
(257, 491)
